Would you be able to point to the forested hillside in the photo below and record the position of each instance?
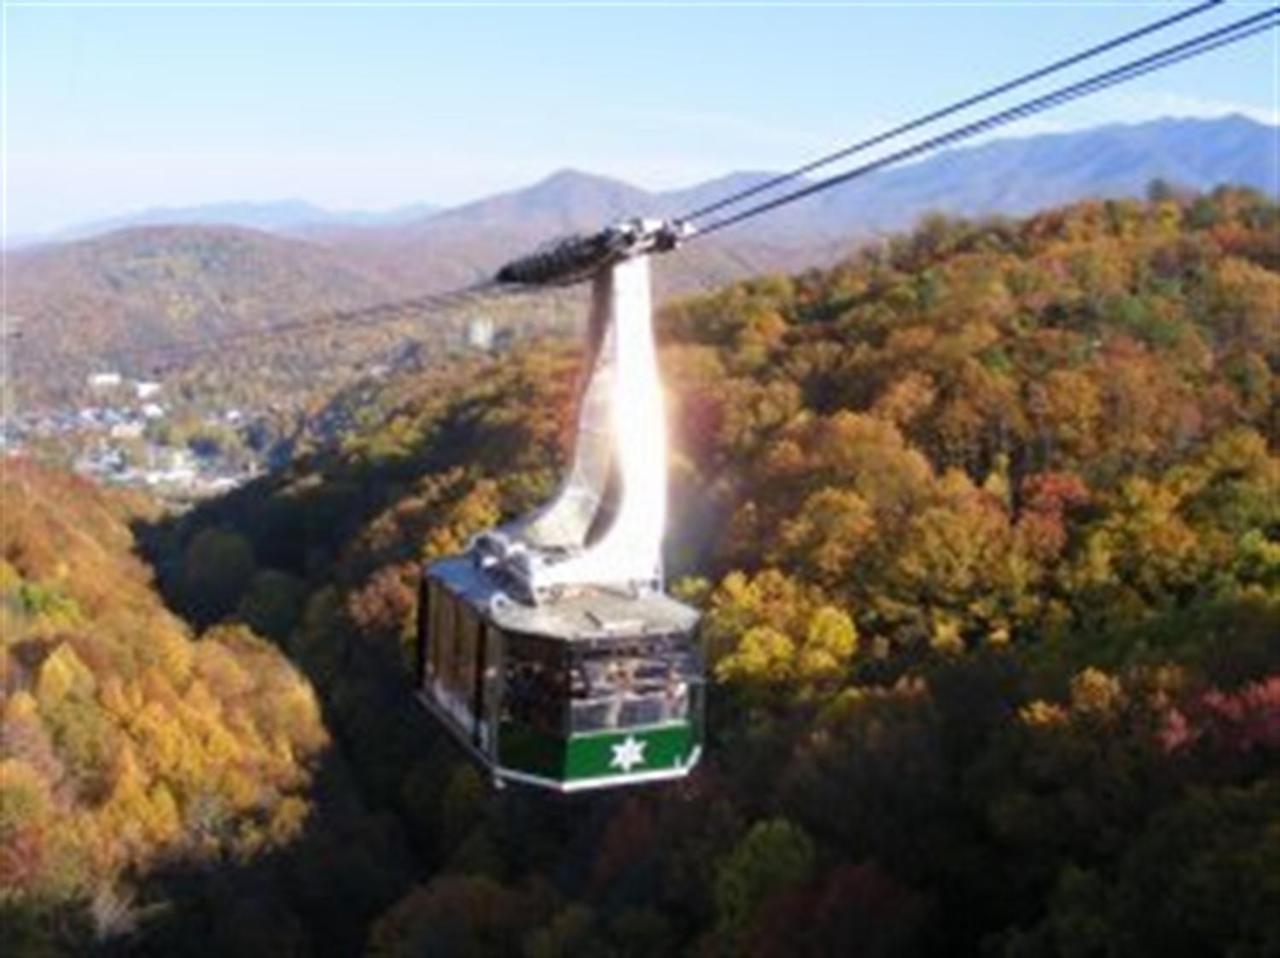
(130, 744)
(986, 526)
(154, 286)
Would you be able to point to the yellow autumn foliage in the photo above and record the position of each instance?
(125, 729)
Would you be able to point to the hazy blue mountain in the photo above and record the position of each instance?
(1009, 176)
(1021, 175)
(561, 202)
(278, 216)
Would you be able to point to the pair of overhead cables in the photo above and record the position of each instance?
(336, 321)
(1196, 46)
(949, 110)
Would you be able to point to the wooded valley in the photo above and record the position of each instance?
(985, 524)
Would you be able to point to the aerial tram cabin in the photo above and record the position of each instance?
(550, 649)
(597, 689)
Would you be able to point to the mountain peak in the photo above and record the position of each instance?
(571, 179)
(570, 174)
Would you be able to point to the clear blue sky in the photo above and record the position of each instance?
(116, 109)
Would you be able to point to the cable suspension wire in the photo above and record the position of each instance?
(1232, 33)
(347, 319)
(373, 315)
(981, 97)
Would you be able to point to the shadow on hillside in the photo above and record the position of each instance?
(382, 814)
(352, 859)
(317, 895)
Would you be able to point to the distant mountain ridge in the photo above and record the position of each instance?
(1009, 176)
(1018, 176)
(158, 284)
(273, 216)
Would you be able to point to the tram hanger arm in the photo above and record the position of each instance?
(579, 258)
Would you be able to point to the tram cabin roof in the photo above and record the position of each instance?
(588, 614)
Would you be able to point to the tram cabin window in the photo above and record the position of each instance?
(429, 598)
(455, 638)
(441, 628)
(632, 686)
(535, 680)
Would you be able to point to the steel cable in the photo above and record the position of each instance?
(949, 110)
(1223, 36)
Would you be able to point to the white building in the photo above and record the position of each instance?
(480, 333)
(107, 380)
(145, 389)
(126, 430)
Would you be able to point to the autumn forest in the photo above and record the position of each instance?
(985, 526)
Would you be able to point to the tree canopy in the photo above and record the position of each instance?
(985, 527)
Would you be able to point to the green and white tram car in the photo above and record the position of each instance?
(595, 689)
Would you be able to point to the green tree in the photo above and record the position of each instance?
(773, 857)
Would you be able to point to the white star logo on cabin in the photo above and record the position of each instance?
(628, 754)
